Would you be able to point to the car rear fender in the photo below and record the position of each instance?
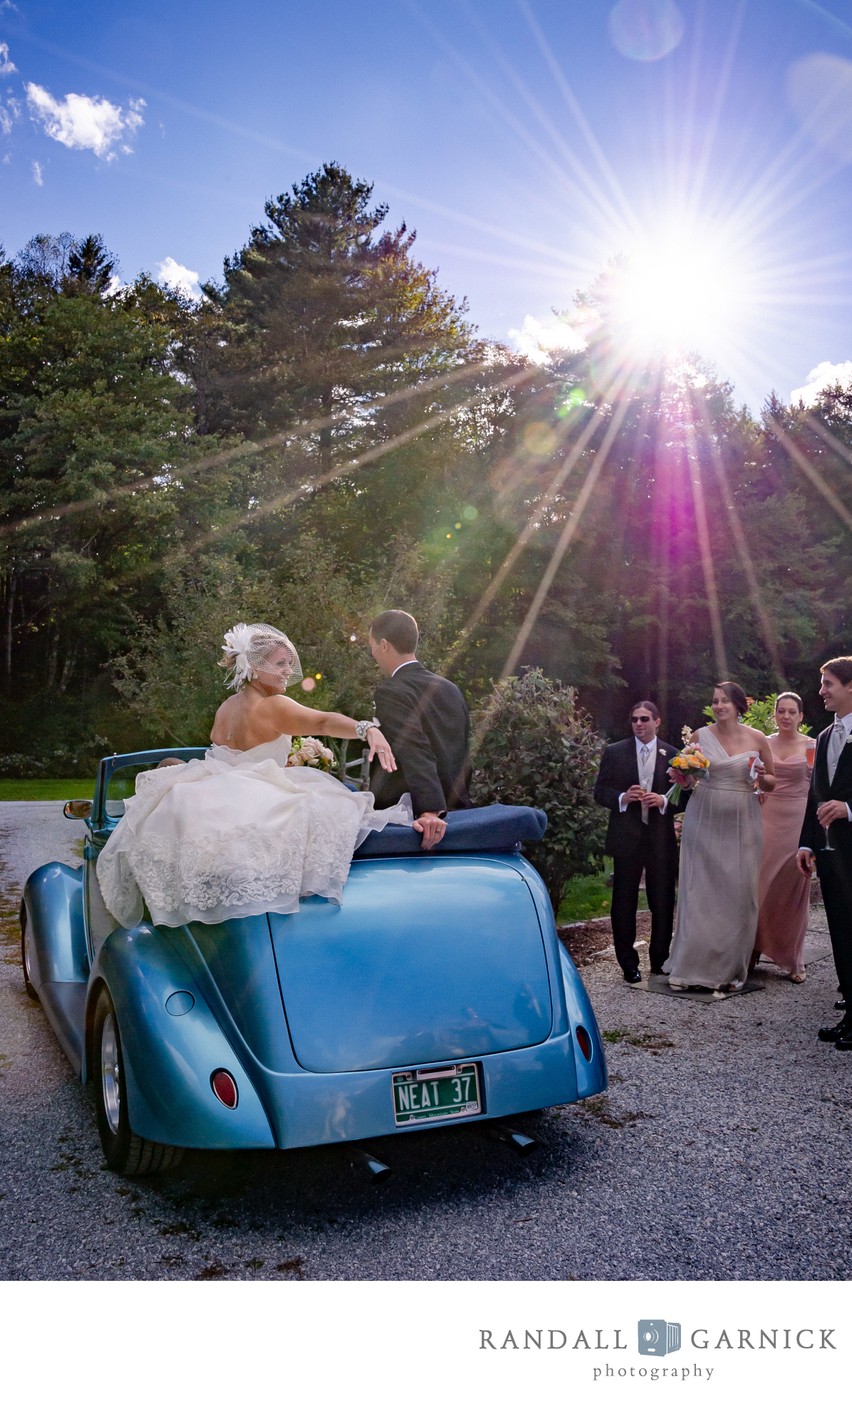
(591, 1071)
(171, 1045)
(569, 991)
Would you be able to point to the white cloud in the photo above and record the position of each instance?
(38, 175)
(823, 375)
(93, 124)
(179, 277)
(538, 338)
(6, 65)
(10, 111)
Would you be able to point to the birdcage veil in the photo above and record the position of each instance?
(249, 650)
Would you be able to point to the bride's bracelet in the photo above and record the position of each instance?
(361, 728)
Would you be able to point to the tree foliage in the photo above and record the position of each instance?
(93, 430)
(324, 435)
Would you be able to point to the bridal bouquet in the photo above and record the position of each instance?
(686, 768)
(306, 750)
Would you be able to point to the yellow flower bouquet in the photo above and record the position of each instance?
(687, 767)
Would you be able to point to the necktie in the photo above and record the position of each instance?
(644, 780)
(836, 742)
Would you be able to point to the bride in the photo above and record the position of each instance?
(240, 832)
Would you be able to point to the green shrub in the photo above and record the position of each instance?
(59, 763)
(534, 745)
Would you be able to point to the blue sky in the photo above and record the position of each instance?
(527, 141)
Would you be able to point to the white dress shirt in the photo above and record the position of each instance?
(846, 722)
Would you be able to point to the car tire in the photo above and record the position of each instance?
(25, 958)
(124, 1150)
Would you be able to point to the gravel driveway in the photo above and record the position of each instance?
(721, 1152)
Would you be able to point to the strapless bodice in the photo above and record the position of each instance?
(277, 750)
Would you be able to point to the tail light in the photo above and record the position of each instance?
(585, 1042)
(224, 1086)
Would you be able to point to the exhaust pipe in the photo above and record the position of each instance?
(376, 1171)
(519, 1141)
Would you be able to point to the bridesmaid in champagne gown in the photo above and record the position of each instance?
(785, 891)
(721, 844)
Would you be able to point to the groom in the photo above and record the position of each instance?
(632, 783)
(828, 820)
(426, 720)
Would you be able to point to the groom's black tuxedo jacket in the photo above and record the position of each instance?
(427, 722)
(813, 836)
(619, 770)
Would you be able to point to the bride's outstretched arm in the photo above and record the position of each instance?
(303, 720)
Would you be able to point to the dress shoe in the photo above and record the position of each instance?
(840, 1004)
(633, 975)
(832, 1033)
(845, 1041)
(657, 971)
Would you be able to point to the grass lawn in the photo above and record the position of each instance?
(590, 897)
(11, 790)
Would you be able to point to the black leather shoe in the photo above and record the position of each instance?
(657, 971)
(832, 1033)
(633, 976)
(840, 1004)
(845, 1041)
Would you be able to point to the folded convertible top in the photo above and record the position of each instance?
(494, 828)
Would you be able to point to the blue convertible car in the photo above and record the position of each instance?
(438, 994)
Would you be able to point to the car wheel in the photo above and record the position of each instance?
(124, 1150)
(25, 957)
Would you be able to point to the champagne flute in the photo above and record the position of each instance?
(810, 754)
(828, 846)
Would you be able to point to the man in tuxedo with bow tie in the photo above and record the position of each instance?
(826, 837)
(426, 720)
(632, 783)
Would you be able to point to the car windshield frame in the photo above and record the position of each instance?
(104, 814)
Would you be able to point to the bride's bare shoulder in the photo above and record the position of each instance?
(219, 729)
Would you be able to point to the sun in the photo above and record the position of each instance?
(681, 289)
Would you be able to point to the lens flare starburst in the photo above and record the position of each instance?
(683, 287)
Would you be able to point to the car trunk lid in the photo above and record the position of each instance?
(427, 961)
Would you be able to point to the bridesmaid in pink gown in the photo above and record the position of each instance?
(784, 892)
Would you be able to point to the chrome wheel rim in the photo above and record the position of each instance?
(28, 969)
(110, 1073)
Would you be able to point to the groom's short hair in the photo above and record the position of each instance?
(398, 628)
(840, 667)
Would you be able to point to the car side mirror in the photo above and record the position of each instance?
(78, 809)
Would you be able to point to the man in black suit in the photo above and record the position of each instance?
(632, 784)
(426, 720)
(828, 820)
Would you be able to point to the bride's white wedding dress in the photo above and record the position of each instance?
(233, 835)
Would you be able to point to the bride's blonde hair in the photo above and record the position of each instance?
(248, 651)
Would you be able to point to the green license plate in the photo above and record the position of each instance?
(433, 1095)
